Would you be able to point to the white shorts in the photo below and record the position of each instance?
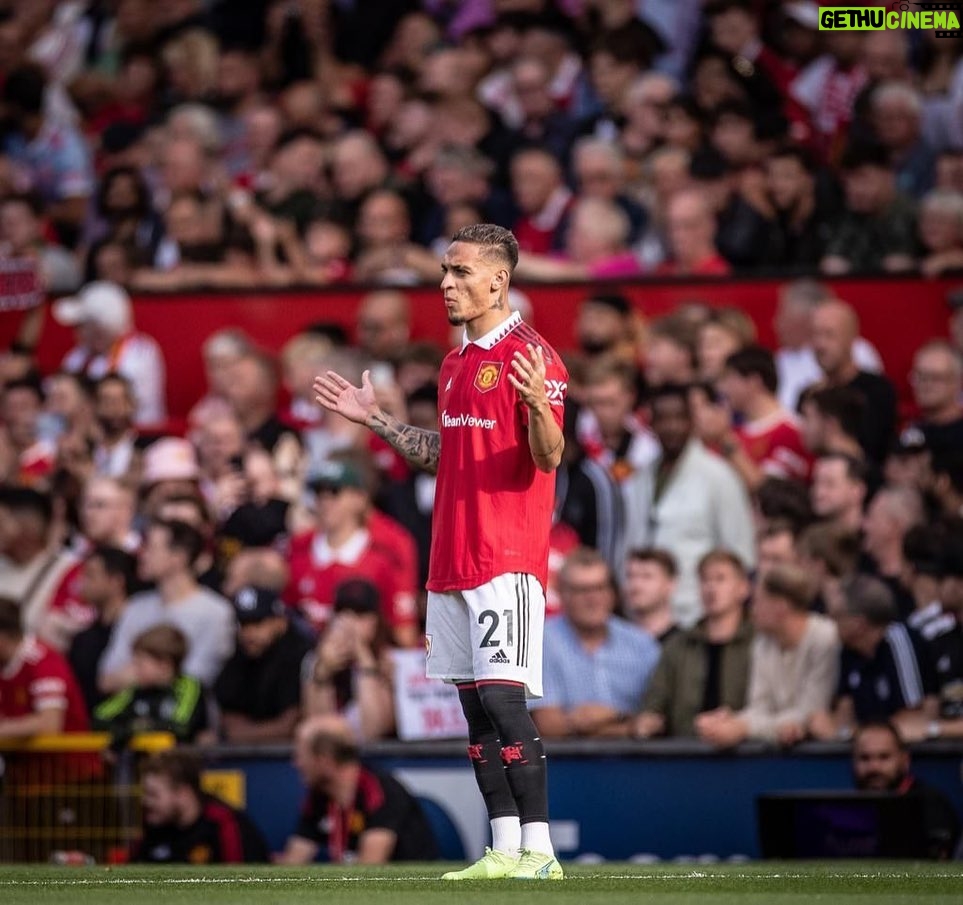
(490, 632)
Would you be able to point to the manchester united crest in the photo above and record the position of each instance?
(487, 377)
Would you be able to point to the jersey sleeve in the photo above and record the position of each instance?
(399, 608)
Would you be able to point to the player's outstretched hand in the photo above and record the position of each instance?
(529, 376)
(334, 393)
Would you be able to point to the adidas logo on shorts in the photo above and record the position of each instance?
(499, 657)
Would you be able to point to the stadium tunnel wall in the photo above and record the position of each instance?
(669, 799)
(898, 314)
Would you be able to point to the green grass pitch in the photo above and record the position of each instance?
(868, 883)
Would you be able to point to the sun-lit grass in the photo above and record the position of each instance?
(717, 884)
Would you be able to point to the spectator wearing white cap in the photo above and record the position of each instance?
(107, 341)
(169, 469)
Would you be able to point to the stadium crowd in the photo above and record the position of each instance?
(748, 543)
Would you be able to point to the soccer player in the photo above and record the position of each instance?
(501, 399)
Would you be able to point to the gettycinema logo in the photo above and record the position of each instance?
(943, 18)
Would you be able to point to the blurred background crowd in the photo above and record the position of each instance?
(248, 143)
(225, 577)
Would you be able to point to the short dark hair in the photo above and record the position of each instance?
(25, 87)
(635, 43)
(855, 468)
(29, 383)
(180, 767)
(182, 537)
(117, 562)
(83, 382)
(803, 156)
(785, 499)
(868, 597)
(29, 200)
(844, 404)
(669, 391)
(613, 300)
(116, 377)
(755, 360)
(27, 500)
(881, 726)
(865, 154)
(662, 558)
(10, 621)
(142, 204)
(493, 238)
(789, 583)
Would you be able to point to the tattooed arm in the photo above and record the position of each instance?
(420, 447)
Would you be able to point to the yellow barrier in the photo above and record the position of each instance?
(59, 794)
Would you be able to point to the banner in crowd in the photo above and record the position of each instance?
(424, 708)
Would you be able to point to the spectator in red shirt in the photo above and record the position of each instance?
(38, 692)
(691, 233)
(543, 198)
(767, 442)
(21, 405)
(37, 572)
(342, 547)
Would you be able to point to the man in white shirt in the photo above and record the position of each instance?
(107, 342)
(690, 501)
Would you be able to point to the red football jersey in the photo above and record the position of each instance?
(68, 602)
(562, 541)
(396, 543)
(313, 582)
(493, 507)
(38, 679)
(775, 445)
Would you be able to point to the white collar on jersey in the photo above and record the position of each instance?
(493, 336)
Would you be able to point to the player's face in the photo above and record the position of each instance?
(470, 284)
(878, 763)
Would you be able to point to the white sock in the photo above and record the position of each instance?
(535, 838)
(506, 835)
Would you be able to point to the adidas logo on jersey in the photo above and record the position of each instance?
(499, 657)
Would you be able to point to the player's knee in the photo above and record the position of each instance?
(503, 702)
